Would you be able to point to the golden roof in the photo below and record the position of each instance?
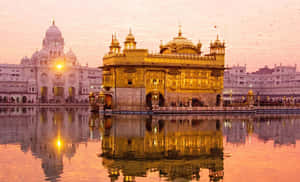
(179, 43)
(180, 40)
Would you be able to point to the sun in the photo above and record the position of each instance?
(59, 66)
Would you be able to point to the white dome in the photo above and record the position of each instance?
(35, 55)
(44, 54)
(53, 41)
(53, 31)
(25, 60)
(71, 54)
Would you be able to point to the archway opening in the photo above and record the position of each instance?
(197, 103)
(44, 94)
(149, 100)
(12, 99)
(161, 100)
(5, 99)
(58, 91)
(71, 94)
(24, 99)
(218, 100)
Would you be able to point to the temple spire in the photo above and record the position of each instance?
(130, 32)
(179, 31)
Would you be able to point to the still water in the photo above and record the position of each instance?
(71, 144)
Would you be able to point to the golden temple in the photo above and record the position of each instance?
(179, 75)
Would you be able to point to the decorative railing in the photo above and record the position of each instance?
(182, 56)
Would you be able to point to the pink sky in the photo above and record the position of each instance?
(257, 32)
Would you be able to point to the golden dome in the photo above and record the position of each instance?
(180, 41)
(114, 41)
(115, 45)
(180, 44)
(130, 41)
(130, 36)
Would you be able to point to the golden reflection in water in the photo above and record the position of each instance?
(58, 143)
(143, 148)
(176, 149)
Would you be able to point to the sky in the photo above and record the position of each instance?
(257, 33)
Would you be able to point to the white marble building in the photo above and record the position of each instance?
(278, 83)
(49, 76)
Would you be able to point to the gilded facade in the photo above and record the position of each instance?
(179, 75)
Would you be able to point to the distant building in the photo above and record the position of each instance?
(275, 84)
(50, 75)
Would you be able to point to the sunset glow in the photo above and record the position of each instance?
(253, 34)
(58, 143)
(59, 66)
(144, 91)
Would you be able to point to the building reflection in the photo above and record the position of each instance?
(177, 149)
(49, 134)
(282, 129)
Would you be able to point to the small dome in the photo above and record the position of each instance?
(43, 54)
(217, 43)
(25, 60)
(70, 54)
(114, 41)
(130, 41)
(130, 37)
(53, 31)
(35, 55)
